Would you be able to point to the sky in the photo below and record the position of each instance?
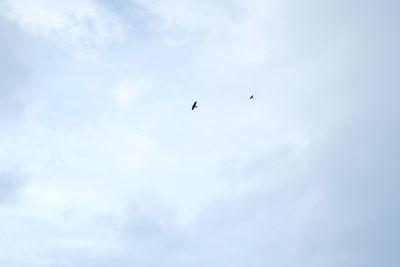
(103, 162)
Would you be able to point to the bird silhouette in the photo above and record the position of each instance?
(252, 97)
(194, 105)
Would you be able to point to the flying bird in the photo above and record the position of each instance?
(194, 105)
(252, 97)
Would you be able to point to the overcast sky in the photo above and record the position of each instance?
(103, 162)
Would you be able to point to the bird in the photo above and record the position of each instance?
(194, 105)
(252, 97)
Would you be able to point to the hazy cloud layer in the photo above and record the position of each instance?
(103, 163)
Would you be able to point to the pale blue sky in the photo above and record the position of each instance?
(103, 162)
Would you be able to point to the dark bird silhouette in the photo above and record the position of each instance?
(194, 105)
(252, 97)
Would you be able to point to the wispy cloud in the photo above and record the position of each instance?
(244, 26)
(74, 25)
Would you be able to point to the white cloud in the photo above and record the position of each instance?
(75, 24)
(242, 25)
(190, 15)
(127, 91)
(10, 183)
(172, 42)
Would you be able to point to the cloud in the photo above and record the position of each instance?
(75, 25)
(172, 42)
(335, 211)
(15, 72)
(243, 26)
(304, 175)
(190, 15)
(10, 183)
(126, 91)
